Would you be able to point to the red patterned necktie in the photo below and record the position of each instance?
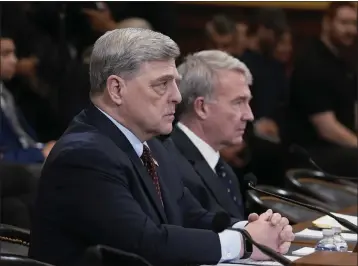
(149, 163)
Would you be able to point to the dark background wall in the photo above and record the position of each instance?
(304, 19)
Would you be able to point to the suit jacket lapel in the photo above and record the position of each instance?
(208, 176)
(214, 184)
(108, 128)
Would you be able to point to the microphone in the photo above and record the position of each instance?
(251, 179)
(294, 148)
(221, 222)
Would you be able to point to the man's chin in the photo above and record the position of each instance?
(166, 130)
(237, 141)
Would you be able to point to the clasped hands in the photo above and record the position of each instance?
(272, 230)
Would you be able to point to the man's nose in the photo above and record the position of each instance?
(176, 96)
(248, 115)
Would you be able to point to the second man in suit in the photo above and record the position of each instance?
(212, 115)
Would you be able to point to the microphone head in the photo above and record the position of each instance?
(294, 148)
(220, 222)
(250, 179)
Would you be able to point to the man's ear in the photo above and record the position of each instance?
(115, 87)
(201, 108)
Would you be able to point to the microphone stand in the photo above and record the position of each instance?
(304, 153)
(340, 220)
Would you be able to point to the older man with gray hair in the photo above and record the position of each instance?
(108, 181)
(212, 116)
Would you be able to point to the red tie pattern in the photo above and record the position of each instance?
(149, 163)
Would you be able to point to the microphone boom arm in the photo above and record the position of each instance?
(341, 221)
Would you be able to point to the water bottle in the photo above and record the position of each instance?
(341, 244)
(327, 243)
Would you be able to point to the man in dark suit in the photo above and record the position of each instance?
(108, 181)
(212, 116)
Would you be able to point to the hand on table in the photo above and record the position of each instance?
(272, 230)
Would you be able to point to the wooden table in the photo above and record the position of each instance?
(353, 210)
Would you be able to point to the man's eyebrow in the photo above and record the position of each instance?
(243, 98)
(168, 77)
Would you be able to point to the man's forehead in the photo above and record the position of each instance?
(346, 12)
(234, 80)
(232, 76)
(158, 69)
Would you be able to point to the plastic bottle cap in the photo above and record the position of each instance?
(337, 229)
(328, 232)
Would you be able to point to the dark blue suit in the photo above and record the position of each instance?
(10, 146)
(94, 190)
(200, 179)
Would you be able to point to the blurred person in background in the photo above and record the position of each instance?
(283, 50)
(18, 143)
(324, 93)
(224, 34)
(43, 61)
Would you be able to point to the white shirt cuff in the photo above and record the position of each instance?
(230, 245)
(240, 225)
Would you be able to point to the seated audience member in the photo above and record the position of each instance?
(17, 141)
(212, 115)
(324, 94)
(224, 34)
(115, 184)
(41, 67)
(283, 50)
(270, 81)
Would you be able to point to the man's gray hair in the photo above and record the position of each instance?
(199, 75)
(121, 52)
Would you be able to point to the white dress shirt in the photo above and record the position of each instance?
(230, 245)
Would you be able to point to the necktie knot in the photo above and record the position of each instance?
(220, 169)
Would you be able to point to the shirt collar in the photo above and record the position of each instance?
(134, 141)
(210, 155)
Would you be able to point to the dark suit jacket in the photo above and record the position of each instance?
(94, 190)
(199, 178)
(10, 146)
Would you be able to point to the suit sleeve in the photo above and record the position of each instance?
(31, 155)
(195, 215)
(99, 206)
